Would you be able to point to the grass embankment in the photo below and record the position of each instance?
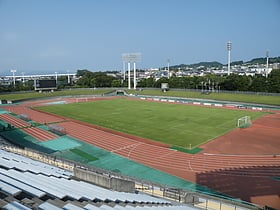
(174, 124)
(70, 92)
(247, 98)
(259, 99)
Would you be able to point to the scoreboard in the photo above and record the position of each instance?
(45, 84)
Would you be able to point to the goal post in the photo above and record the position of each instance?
(244, 122)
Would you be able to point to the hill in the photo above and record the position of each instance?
(216, 64)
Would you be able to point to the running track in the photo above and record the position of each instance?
(228, 173)
(36, 132)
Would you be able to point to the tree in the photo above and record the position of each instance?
(274, 81)
(236, 82)
(161, 80)
(81, 73)
(85, 80)
(259, 84)
(146, 82)
(116, 83)
(103, 80)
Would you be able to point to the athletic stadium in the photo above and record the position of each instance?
(57, 161)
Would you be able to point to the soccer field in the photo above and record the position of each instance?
(176, 124)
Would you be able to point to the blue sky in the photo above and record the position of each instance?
(41, 36)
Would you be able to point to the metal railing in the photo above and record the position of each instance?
(197, 199)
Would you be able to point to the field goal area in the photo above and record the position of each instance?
(244, 122)
(81, 100)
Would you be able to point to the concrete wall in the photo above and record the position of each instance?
(122, 185)
(113, 183)
(92, 177)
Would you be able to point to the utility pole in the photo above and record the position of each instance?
(14, 78)
(267, 57)
(168, 62)
(229, 46)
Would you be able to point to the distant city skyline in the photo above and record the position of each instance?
(63, 36)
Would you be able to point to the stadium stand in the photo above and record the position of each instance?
(29, 184)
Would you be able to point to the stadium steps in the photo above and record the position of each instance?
(36, 132)
(33, 114)
(96, 137)
(38, 188)
(14, 121)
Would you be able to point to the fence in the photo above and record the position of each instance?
(197, 199)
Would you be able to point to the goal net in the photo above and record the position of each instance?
(244, 122)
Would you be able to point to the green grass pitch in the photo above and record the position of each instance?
(175, 124)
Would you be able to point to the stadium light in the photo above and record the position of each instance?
(68, 77)
(14, 78)
(131, 57)
(267, 57)
(168, 61)
(56, 77)
(123, 70)
(22, 73)
(128, 66)
(229, 46)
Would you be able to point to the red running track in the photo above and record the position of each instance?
(40, 134)
(240, 164)
(33, 115)
(235, 175)
(36, 132)
(14, 121)
(171, 160)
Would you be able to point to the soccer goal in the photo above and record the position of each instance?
(244, 122)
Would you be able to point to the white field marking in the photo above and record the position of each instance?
(128, 146)
(168, 153)
(236, 155)
(130, 151)
(190, 166)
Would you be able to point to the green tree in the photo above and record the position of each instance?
(103, 80)
(81, 73)
(146, 82)
(259, 84)
(116, 83)
(85, 80)
(236, 82)
(161, 80)
(274, 81)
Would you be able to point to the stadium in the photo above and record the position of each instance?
(215, 155)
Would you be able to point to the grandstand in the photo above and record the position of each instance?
(30, 184)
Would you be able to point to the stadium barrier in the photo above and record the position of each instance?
(197, 199)
(24, 117)
(57, 129)
(104, 180)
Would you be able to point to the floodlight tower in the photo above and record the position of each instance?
(129, 58)
(14, 78)
(267, 57)
(22, 73)
(123, 70)
(68, 77)
(56, 76)
(229, 46)
(168, 62)
(128, 66)
(134, 75)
